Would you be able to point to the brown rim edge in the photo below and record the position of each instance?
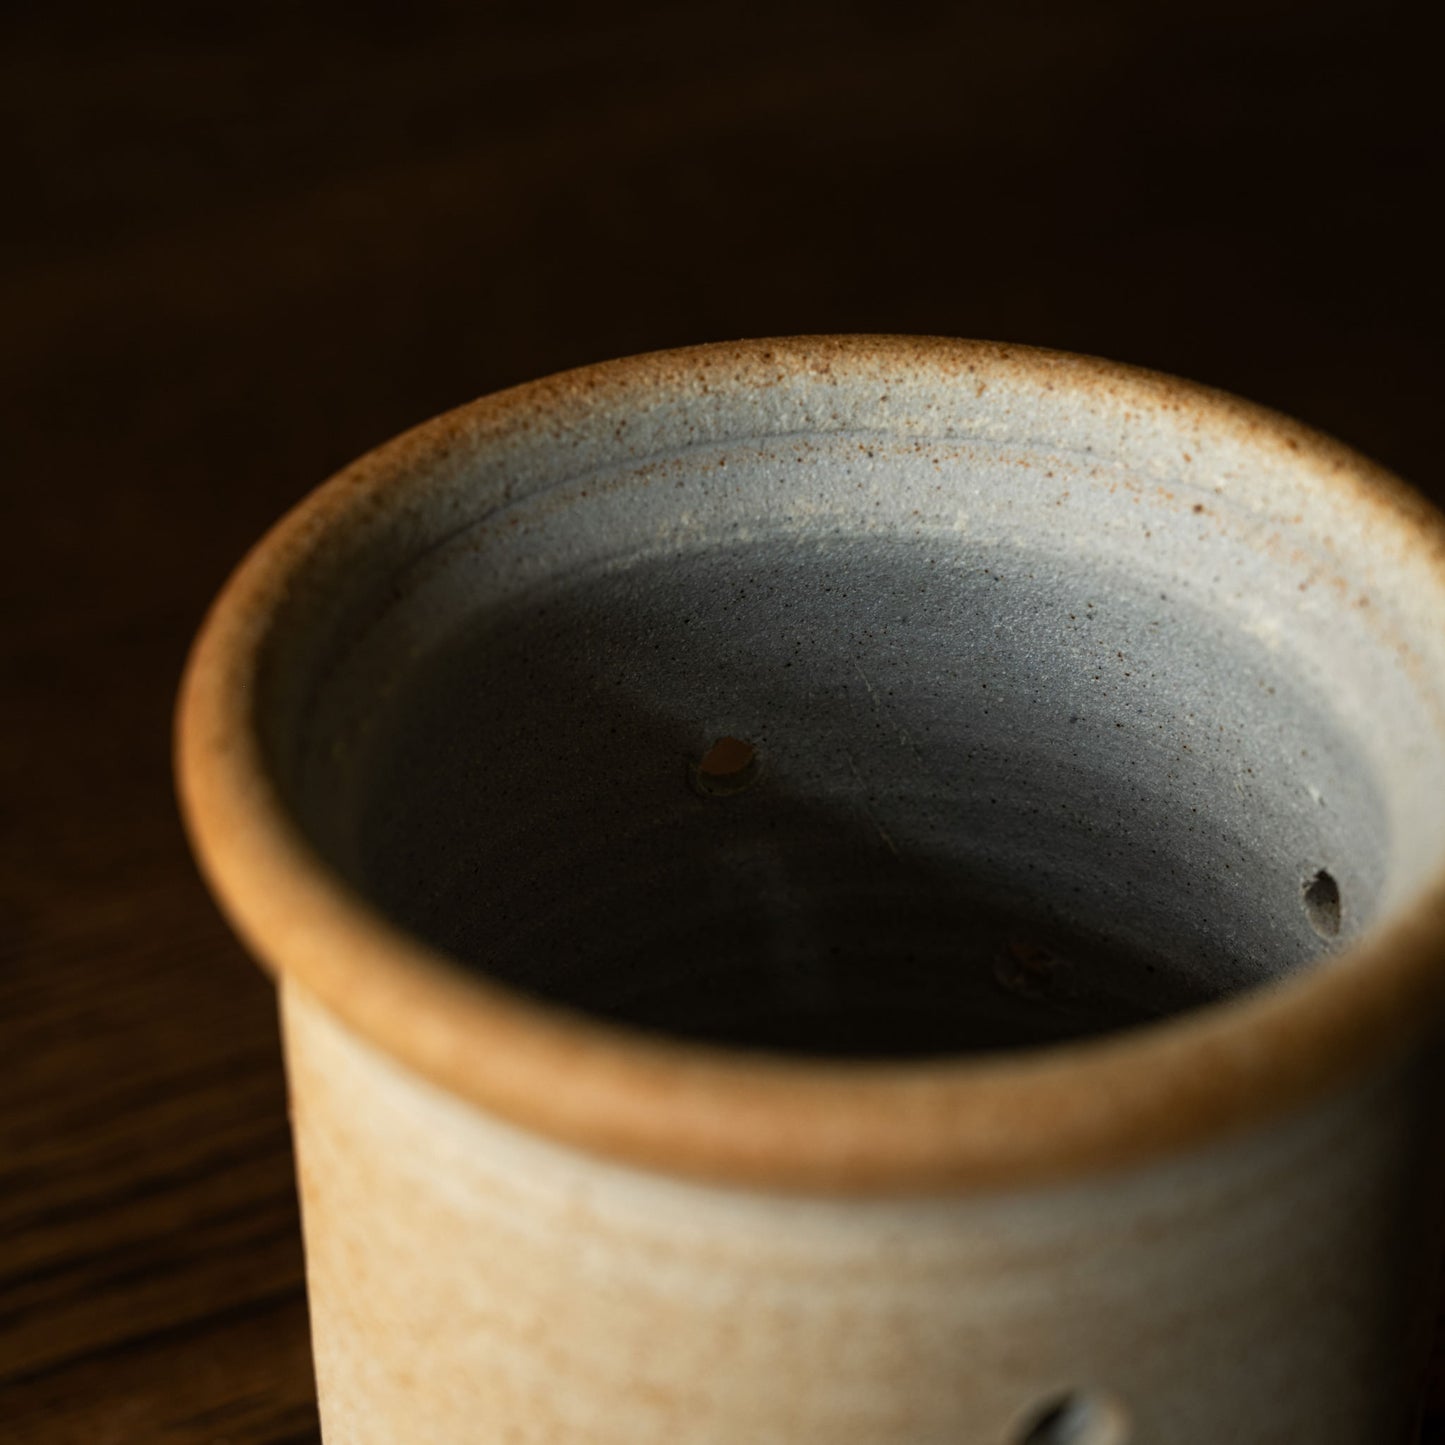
(757, 1120)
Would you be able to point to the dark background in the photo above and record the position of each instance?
(244, 243)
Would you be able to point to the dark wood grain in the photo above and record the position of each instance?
(243, 246)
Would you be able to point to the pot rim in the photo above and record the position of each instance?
(744, 1118)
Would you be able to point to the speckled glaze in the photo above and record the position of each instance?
(1099, 718)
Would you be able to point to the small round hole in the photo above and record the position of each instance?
(728, 766)
(1322, 903)
(1078, 1419)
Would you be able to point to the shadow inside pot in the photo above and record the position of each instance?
(865, 801)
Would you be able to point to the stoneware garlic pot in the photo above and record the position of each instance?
(848, 891)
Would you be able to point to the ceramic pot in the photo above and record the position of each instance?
(849, 890)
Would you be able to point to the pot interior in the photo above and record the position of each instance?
(929, 751)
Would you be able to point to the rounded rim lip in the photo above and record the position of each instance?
(753, 1119)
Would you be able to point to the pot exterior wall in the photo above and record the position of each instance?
(469, 1282)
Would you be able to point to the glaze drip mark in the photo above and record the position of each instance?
(729, 766)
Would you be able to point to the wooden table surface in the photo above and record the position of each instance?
(244, 245)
